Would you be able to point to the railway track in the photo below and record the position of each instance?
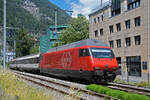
(63, 87)
(130, 88)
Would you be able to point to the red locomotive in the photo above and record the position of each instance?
(87, 59)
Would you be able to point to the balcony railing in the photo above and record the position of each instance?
(99, 7)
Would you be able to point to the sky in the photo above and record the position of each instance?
(78, 6)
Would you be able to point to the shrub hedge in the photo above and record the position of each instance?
(116, 93)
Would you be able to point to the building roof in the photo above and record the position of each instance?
(58, 26)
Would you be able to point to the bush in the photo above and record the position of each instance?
(143, 84)
(116, 93)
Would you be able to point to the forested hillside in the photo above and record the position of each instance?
(32, 15)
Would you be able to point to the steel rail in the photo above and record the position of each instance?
(130, 88)
(66, 86)
(48, 87)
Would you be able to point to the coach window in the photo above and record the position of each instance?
(37, 60)
(84, 52)
(31, 61)
(19, 62)
(26, 61)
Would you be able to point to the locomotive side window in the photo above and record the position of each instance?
(84, 52)
(102, 53)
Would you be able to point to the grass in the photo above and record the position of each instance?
(73, 94)
(143, 84)
(14, 87)
(140, 84)
(116, 93)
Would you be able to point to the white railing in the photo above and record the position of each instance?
(107, 3)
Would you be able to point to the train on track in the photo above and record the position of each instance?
(88, 59)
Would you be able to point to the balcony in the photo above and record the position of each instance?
(100, 7)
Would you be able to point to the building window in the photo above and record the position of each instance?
(98, 19)
(95, 20)
(102, 17)
(96, 33)
(116, 7)
(111, 29)
(137, 40)
(128, 41)
(118, 43)
(134, 66)
(137, 21)
(101, 32)
(115, 12)
(127, 23)
(132, 4)
(111, 43)
(118, 27)
(119, 62)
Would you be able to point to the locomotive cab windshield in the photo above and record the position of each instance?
(102, 53)
(96, 52)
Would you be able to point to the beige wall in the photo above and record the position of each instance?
(142, 50)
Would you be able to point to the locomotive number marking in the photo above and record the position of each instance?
(66, 60)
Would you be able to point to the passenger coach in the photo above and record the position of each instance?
(26, 63)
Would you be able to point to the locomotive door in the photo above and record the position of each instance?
(84, 58)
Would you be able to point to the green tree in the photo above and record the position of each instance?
(23, 44)
(34, 50)
(78, 30)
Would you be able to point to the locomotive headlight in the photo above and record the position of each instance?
(96, 68)
(114, 68)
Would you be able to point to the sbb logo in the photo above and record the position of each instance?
(66, 59)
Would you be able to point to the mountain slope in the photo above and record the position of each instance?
(33, 15)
